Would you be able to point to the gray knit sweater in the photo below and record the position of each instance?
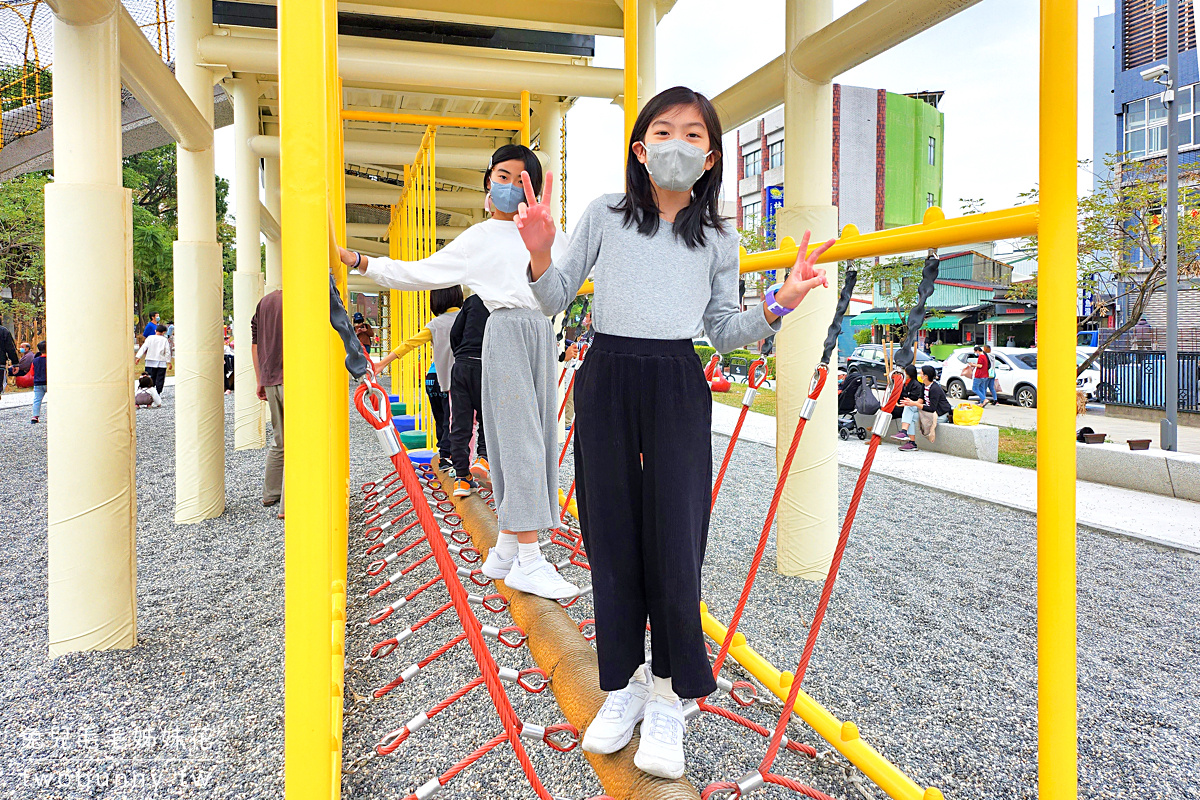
(653, 287)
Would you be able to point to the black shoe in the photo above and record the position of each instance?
(33, 421)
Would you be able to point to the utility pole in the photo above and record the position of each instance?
(1168, 433)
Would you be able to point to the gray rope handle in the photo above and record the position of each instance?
(843, 303)
(916, 316)
(356, 360)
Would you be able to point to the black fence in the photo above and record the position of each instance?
(1137, 378)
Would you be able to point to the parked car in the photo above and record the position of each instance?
(868, 359)
(1016, 374)
(1089, 380)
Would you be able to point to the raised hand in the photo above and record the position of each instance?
(535, 220)
(805, 275)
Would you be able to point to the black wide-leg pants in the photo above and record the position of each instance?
(643, 470)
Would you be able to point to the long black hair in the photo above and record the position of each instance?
(442, 300)
(516, 152)
(639, 205)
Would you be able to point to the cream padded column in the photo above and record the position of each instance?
(199, 392)
(807, 523)
(271, 201)
(249, 419)
(92, 504)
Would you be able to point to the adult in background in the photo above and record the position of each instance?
(266, 351)
(228, 365)
(991, 378)
(157, 352)
(911, 400)
(363, 330)
(935, 403)
(570, 359)
(27, 356)
(151, 328)
(978, 372)
(39, 382)
(8, 353)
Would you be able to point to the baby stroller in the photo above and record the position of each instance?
(847, 425)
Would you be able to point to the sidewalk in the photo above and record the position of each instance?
(1119, 430)
(1162, 520)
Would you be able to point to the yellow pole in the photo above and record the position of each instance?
(1057, 715)
(631, 70)
(305, 29)
(339, 431)
(525, 117)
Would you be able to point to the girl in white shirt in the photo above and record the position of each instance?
(519, 394)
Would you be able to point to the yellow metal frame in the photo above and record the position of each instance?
(315, 558)
(412, 235)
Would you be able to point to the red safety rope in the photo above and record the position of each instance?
(758, 374)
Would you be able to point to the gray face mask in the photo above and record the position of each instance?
(675, 165)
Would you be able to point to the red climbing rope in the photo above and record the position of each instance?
(758, 374)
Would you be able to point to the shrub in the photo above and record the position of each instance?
(862, 336)
(705, 353)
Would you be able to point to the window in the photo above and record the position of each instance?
(1146, 124)
(929, 201)
(775, 155)
(932, 151)
(885, 287)
(751, 216)
(752, 162)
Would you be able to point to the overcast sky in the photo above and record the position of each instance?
(985, 59)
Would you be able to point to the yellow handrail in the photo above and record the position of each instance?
(432, 119)
(934, 231)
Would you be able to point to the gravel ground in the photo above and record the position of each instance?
(938, 670)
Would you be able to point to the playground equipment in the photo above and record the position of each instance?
(91, 497)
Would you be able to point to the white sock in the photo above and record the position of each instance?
(640, 675)
(664, 692)
(528, 553)
(506, 545)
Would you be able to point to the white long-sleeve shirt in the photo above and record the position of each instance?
(489, 257)
(157, 350)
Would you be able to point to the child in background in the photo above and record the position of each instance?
(145, 395)
(39, 382)
(466, 399)
(444, 303)
(666, 269)
(518, 378)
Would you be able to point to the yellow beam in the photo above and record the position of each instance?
(842, 735)
(432, 119)
(524, 117)
(865, 31)
(752, 96)
(935, 231)
(306, 38)
(1057, 703)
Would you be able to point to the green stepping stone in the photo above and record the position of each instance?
(411, 439)
(399, 409)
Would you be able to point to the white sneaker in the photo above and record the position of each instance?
(539, 578)
(613, 725)
(661, 749)
(497, 568)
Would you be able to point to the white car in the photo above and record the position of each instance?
(1016, 375)
(1089, 379)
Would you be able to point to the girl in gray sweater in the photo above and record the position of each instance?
(666, 269)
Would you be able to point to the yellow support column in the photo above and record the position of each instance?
(525, 124)
(1057, 715)
(307, 29)
(630, 102)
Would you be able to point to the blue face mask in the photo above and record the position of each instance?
(506, 196)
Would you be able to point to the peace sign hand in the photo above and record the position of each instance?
(535, 221)
(805, 275)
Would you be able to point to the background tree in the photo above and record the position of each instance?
(22, 261)
(1122, 260)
